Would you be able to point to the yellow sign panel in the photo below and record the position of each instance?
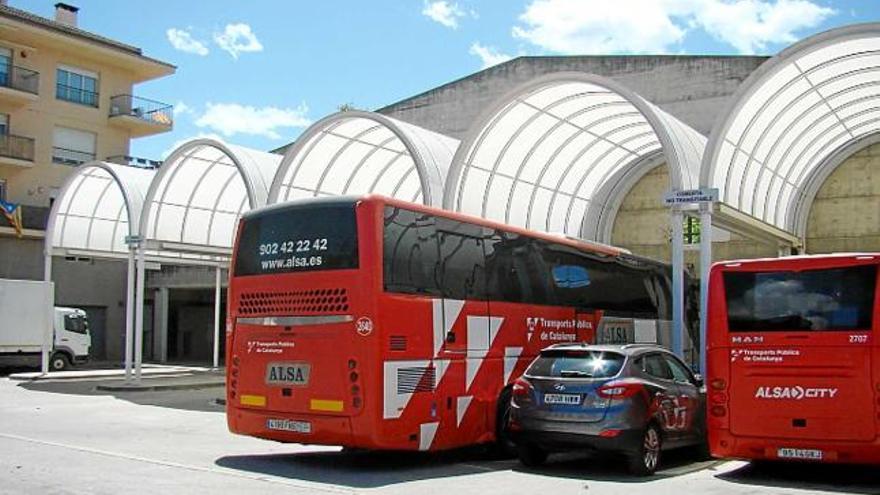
(253, 400)
(326, 405)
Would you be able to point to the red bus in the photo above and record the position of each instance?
(793, 367)
(369, 322)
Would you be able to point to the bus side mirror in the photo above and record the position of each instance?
(450, 337)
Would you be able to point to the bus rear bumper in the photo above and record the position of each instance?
(724, 444)
(311, 429)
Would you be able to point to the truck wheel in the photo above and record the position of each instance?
(59, 362)
(643, 461)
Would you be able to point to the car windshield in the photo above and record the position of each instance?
(576, 364)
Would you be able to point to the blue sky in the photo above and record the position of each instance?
(257, 72)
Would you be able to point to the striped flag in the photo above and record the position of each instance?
(12, 212)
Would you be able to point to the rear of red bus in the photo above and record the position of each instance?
(299, 357)
(793, 363)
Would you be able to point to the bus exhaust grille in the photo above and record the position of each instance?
(321, 301)
(398, 343)
(411, 380)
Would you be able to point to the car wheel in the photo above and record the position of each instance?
(59, 362)
(531, 455)
(646, 458)
(504, 445)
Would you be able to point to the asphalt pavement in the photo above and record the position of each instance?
(67, 436)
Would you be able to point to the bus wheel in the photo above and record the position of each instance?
(59, 362)
(504, 446)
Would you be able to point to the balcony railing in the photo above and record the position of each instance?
(19, 78)
(76, 95)
(134, 161)
(18, 147)
(154, 112)
(65, 156)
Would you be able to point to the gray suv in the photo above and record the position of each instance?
(635, 400)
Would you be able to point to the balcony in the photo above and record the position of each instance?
(73, 158)
(141, 116)
(134, 161)
(16, 151)
(18, 85)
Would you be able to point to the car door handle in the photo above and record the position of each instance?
(65, 340)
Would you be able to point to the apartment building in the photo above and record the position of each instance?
(67, 96)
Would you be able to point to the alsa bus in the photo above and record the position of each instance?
(375, 323)
(793, 364)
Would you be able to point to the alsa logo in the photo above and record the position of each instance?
(795, 393)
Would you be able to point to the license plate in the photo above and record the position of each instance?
(809, 454)
(289, 425)
(284, 373)
(562, 399)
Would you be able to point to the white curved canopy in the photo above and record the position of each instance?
(355, 152)
(197, 196)
(98, 206)
(547, 153)
(790, 118)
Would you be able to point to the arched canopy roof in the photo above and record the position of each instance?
(98, 206)
(788, 121)
(355, 152)
(548, 152)
(196, 198)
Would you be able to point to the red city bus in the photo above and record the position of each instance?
(793, 368)
(375, 323)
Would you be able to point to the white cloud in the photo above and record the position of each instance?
(183, 41)
(231, 118)
(182, 108)
(238, 38)
(444, 12)
(489, 55)
(660, 26)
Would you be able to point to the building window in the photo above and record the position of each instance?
(2, 189)
(73, 146)
(5, 66)
(691, 230)
(77, 86)
(4, 124)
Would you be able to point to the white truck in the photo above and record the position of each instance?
(26, 312)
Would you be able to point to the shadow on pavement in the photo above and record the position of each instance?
(379, 469)
(364, 469)
(199, 399)
(599, 467)
(806, 476)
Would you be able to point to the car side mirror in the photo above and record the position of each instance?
(698, 380)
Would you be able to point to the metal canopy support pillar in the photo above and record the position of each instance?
(677, 219)
(139, 315)
(217, 280)
(129, 314)
(705, 264)
(48, 330)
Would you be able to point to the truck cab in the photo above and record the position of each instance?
(72, 339)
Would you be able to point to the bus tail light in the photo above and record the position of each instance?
(719, 411)
(719, 397)
(522, 390)
(718, 384)
(233, 383)
(353, 376)
(619, 390)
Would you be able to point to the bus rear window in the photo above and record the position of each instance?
(298, 239)
(830, 299)
(576, 364)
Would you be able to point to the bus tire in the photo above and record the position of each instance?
(59, 362)
(645, 458)
(504, 445)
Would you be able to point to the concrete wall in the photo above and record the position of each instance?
(642, 225)
(845, 215)
(692, 88)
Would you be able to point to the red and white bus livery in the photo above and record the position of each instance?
(374, 323)
(793, 364)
